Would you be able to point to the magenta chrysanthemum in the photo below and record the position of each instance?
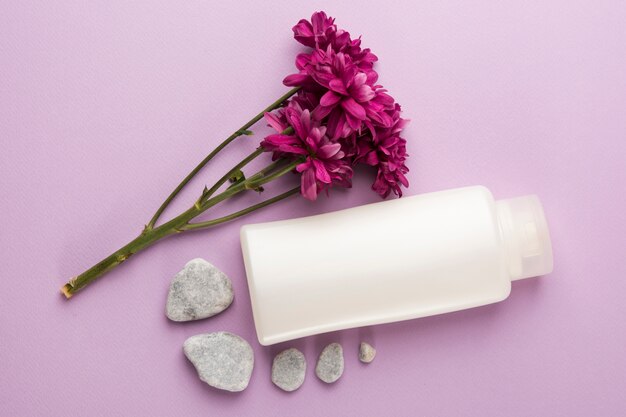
(323, 161)
(386, 150)
(341, 116)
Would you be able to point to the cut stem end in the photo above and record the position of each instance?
(66, 290)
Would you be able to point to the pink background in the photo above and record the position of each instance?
(105, 106)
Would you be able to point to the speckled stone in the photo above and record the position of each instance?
(223, 360)
(330, 363)
(199, 291)
(367, 353)
(289, 369)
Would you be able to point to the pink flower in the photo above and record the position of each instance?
(388, 181)
(302, 100)
(347, 89)
(322, 35)
(384, 149)
(363, 58)
(322, 32)
(316, 33)
(388, 156)
(303, 77)
(323, 163)
(340, 117)
(305, 100)
(349, 96)
(323, 167)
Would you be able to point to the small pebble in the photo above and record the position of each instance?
(366, 352)
(288, 369)
(199, 291)
(223, 360)
(330, 363)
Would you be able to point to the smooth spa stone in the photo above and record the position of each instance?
(289, 369)
(199, 291)
(330, 363)
(367, 353)
(223, 360)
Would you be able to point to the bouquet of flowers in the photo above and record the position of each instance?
(335, 118)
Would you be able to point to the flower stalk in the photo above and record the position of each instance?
(243, 130)
(179, 224)
(152, 233)
(335, 118)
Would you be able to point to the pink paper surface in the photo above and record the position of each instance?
(105, 106)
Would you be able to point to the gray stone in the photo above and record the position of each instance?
(330, 363)
(367, 353)
(223, 360)
(288, 369)
(199, 291)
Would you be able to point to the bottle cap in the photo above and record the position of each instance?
(525, 236)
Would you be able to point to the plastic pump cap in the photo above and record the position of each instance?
(525, 236)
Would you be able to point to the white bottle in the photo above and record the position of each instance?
(389, 261)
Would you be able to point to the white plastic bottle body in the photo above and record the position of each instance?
(383, 262)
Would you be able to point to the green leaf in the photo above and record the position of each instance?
(237, 176)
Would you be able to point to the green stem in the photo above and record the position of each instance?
(259, 174)
(257, 180)
(267, 169)
(220, 220)
(208, 193)
(145, 239)
(241, 131)
(176, 225)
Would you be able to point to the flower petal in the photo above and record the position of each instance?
(353, 108)
(341, 39)
(308, 185)
(336, 123)
(372, 77)
(348, 74)
(303, 33)
(294, 80)
(283, 143)
(302, 60)
(304, 166)
(359, 79)
(319, 21)
(273, 120)
(305, 119)
(293, 118)
(278, 139)
(320, 172)
(320, 112)
(363, 93)
(402, 123)
(338, 86)
(311, 143)
(328, 151)
(292, 149)
(371, 158)
(352, 122)
(329, 99)
(323, 78)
